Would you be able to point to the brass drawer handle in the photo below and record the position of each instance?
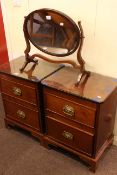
(21, 114)
(68, 110)
(67, 135)
(17, 91)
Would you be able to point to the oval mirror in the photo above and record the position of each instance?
(52, 32)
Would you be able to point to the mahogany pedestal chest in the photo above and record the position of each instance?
(22, 94)
(80, 118)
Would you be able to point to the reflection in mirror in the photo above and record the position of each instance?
(56, 34)
(53, 33)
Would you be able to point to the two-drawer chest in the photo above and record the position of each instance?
(22, 94)
(80, 118)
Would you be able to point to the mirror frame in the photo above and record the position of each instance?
(62, 15)
(30, 58)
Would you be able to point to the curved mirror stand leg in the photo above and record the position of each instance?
(82, 76)
(83, 73)
(26, 63)
(79, 77)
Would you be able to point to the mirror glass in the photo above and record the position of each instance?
(52, 32)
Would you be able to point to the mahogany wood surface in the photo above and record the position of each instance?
(93, 105)
(31, 117)
(96, 89)
(79, 119)
(28, 93)
(105, 121)
(79, 140)
(32, 73)
(22, 94)
(69, 121)
(82, 114)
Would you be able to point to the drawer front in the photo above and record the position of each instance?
(22, 114)
(69, 136)
(20, 91)
(69, 109)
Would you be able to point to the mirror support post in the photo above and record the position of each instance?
(79, 57)
(28, 58)
(83, 72)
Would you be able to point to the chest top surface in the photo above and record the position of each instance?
(33, 72)
(96, 87)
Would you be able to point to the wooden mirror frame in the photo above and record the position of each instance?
(30, 58)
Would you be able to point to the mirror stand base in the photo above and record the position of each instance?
(26, 63)
(82, 77)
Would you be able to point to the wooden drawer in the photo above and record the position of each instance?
(22, 114)
(18, 90)
(70, 136)
(73, 123)
(70, 109)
